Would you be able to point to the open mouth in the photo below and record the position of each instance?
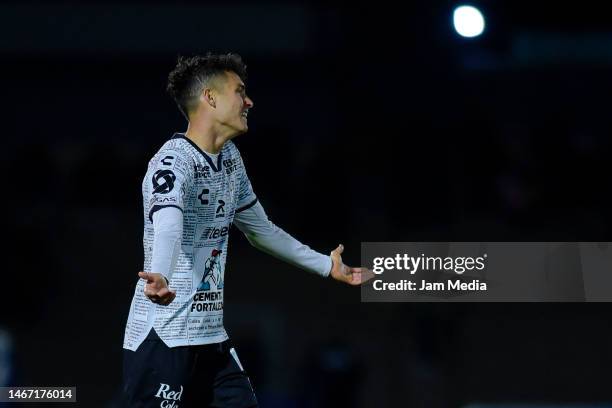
(245, 114)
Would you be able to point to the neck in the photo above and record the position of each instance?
(206, 137)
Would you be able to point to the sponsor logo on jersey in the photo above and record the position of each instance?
(220, 213)
(163, 181)
(201, 171)
(162, 200)
(215, 232)
(212, 271)
(167, 161)
(230, 165)
(202, 196)
(170, 398)
(206, 300)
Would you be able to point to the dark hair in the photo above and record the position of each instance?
(191, 74)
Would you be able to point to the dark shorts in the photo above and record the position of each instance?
(156, 375)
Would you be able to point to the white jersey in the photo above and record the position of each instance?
(209, 192)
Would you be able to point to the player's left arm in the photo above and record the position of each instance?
(267, 237)
(251, 219)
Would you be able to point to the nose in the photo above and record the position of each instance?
(248, 102)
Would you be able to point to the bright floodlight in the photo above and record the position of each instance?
(468, 21)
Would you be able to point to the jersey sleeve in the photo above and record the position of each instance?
(170, 176)
(269, 238)
(168, 231)
(246, 195)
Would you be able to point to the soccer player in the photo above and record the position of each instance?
(177, 352)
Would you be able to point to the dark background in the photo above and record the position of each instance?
(373, 121)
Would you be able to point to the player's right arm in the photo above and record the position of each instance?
(168, 178)
(168, 231)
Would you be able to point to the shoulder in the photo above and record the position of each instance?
(230, 150)
(230, 147)
(174, 150)
(179, 146)
(174, 157)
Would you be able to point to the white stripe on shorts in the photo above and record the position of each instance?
(235, 355)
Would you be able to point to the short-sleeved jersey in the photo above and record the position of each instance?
(208, 192)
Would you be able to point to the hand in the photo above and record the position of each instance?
(347, 274)
(157, 289)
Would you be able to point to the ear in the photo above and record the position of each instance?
(208, 96)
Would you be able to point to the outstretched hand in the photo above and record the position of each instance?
(156, 288)
(347, 274)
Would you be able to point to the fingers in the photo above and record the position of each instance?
(164, 292)
(163, 300)
(166, 298)
(350, 275)
(339, 250)
(149, 291)
(163, 296)
(170, 298)
(357, 276)
(365, 275)
(145, 275)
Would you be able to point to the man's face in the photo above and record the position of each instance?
(232, 104)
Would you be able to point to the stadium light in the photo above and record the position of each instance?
(468, 21)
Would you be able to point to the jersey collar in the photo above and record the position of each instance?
(202, 152)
